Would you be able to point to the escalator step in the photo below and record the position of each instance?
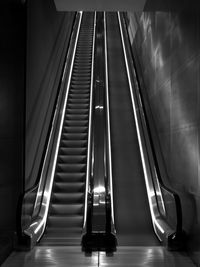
(71, 187)
(66, 209)
(76, 123)
(70, 198)
(65, 221)
(77, 111)
(73, 151)
(70, 168)
(74, 129)
(64, 231)
(72, 159)
(74, 136)
(78, 101)
(76, 117)
(70, 177)
(74, 143)
(84, 95)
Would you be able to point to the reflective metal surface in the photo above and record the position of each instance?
(73, 257)
(51, 256)
(145, 256)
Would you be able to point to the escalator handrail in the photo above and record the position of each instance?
(161, 227)
(36, 229)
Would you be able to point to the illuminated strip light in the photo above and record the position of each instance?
(108, 119)
(149, 193)
(48, 193)
(90, 124)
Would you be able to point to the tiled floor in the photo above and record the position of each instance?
(73, 256)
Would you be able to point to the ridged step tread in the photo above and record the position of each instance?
(74, 136)
(69, 187)
(66, 209)
(71, 168)
(73, 151)
(65, 221)
(72, 159)
(70, 198)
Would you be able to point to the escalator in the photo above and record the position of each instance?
(81, 178)
(144, 206)
(66, 210)
(130, 197)
(58, 213)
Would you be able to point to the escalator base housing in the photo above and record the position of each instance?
(99, 242)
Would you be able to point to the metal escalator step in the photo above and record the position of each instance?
(78, 106)
(74, 136)
(76, 117)
(64, 231)
(79, 90)
(70, 198)
(83, 95)
(70, 168)
(75, 129)
(73, 143)
(65, 221)
(66, 209)
(78, 101)
(75, 82)
(76, 123)
(59, 238)
(71, 187)
(82, 69)
(70, 177)
(72, 151)
(83, 60)
(80, 111)
(72, 159)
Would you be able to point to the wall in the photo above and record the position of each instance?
(48, 33)
(12, 77)
(99, 5)
(167, 48)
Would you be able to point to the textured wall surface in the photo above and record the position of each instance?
(48, 34)
(167, 47)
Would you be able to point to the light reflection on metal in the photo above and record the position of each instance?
(37, 227)
(146, 168)
(99, 189)
(98, 107)
(90, 160)
(108, 123)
